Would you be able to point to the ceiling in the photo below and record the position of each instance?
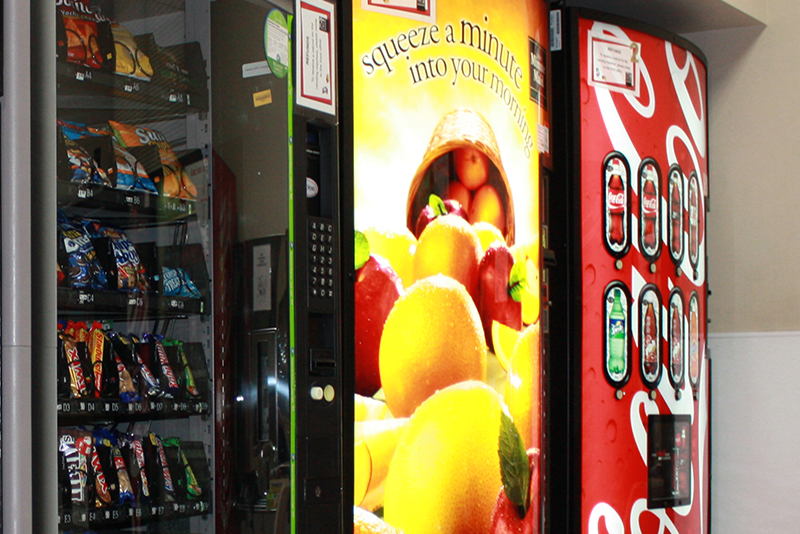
(676, 16)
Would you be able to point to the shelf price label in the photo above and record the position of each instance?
(131, 87)
(85, 192)
(83, 75)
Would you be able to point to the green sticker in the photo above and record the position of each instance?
(276, 43)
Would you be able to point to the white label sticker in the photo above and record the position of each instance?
(262, 278)
(259, 68)
(614, 64)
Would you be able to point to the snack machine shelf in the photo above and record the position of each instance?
(116, 518)
(119, 203)
(128, 305)
(77, 411)
(82, 87)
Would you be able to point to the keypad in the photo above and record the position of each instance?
(320, 264)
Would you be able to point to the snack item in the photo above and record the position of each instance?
(88, 39)
(161, 458)
(130, 60)
(124, 481)
(130, 173)
(130, 271)
(77, 378)
(84, 169)
(100, 466)
(169, 384)
(193, 489)
(76, 448)
(178, 284)
(138, 468)
(83, 268)
(188, 377)
(176, 181)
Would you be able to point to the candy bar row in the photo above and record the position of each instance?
(111, 478)
(99, 364)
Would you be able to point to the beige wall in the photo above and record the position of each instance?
(754, 153)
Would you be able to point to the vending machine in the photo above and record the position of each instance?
(628, 386)
(197, 363)
(449, 130)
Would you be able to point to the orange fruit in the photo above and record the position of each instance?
(365, 522)
(523, 386)
(398, 247)
(487, 206)
(445, 473)
(459, 192)
(472, 166)
(432, 338)
(449, 246)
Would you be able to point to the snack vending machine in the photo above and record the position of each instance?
(197, 373)
(628, 376)
(449, 128)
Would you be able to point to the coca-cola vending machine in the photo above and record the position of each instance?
(627, 368)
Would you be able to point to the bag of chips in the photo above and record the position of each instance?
(89, 40)
(176, 182)
(80, 262)
(130, 173)
(129, 269)
(130, 59)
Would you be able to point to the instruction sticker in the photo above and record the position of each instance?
(276, 43)
(614, 64)
(316, 56)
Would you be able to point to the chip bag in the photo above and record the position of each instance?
(130, 60)
(176, 182)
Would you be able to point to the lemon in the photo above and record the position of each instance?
(487, 234)
(504, 338)
(445, 474)
(398, 247)
(432, 338)
(523, 386)
(374, 445)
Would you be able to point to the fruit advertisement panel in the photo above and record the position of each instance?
(448, 98)
(645, 377)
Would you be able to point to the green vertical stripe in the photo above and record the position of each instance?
(292, 308)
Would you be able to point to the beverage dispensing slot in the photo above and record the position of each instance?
(322, 356)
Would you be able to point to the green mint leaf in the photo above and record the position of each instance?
(362, 250)
(514, 466)
(438, 205)
(517, 280)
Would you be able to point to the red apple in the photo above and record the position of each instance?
(433, 210)
(377, 288)
(472, 166)
(506, 517)
(495, 302)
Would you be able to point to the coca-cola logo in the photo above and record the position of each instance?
(615, 200)
(649, 204)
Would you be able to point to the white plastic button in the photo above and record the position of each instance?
(317, 393)
(330, 393)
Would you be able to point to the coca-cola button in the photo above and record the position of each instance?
(678, 394)
(678, 272)
(652, 267)
(619, 394)
(653, 394)
(618, 265)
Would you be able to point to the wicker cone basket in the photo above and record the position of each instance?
(458, 128)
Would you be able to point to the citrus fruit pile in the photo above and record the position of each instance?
(457, 346)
